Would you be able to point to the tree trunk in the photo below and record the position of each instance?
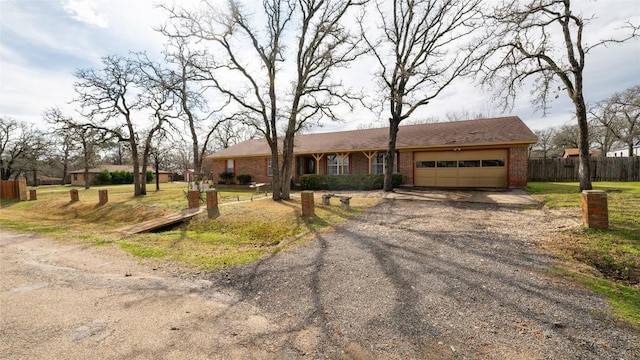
(584, 171)
(391, 151)
(275, 169)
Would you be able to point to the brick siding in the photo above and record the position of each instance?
(517, 171)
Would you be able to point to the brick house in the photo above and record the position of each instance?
(474, 153)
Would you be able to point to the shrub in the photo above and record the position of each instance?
(226, 176)
(149, 175)
(103, 177)
(243, 179)
(312, 182)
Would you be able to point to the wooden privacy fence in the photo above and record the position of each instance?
(13, 189)
(602, 169)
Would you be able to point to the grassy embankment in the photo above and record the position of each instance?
(606, 261)
(245, 230)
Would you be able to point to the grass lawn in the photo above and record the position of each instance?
(250, 225)
(607, 261)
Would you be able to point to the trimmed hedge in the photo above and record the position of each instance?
(346, 182)
(119, 177)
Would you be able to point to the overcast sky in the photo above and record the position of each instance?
(42, 43)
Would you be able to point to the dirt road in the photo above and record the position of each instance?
(77, 302)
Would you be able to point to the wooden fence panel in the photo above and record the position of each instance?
(602, 169)
(9, 189)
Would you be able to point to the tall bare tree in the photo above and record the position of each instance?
(543, 40)
(420, 50)
(278, 74)
(189, 70)
(109, 99)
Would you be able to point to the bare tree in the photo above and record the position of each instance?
(543, 40)
(80, 137)
(109, 98)
(544, 144)
(21, 144)
(601, 123)
(420, 51)
(189, 71)
(275, 91)
(620, 116)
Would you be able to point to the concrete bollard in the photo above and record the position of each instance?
(74, 195)
(308, 206)
(33, 195)
(595, 211)
(212, 203)
(103, 196)
(194, 199)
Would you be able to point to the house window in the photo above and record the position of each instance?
(378, 163)
(425, 164)
(269, 166)
(230, 166)
(337, 165)
(75, 177)
(492, 163)
(447, 163)
(469, 163)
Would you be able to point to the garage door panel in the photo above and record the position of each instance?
(473, 168)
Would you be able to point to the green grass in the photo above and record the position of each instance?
(607, 261)
(250, 225)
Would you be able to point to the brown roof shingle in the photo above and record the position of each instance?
(504, 130)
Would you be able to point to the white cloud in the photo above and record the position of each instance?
(85, 11)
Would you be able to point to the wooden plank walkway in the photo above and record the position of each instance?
(162, 221)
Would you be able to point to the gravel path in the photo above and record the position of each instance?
(427, 280)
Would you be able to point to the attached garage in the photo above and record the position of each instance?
(466, 168)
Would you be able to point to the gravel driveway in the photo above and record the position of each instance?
(406, 280)
(429, 280)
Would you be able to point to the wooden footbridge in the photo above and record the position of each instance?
(163, 221)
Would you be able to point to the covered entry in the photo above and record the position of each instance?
(470, 168)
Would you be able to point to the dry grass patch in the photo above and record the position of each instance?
(245, 230)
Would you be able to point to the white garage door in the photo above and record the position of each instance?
(473, 168)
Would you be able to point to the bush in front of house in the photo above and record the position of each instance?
(226, 176)
(244, 179)
(103, 177)
(346, 182)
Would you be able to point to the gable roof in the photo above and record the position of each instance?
(112, 168)
(504, 130)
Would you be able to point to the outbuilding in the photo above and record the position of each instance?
(487, 153)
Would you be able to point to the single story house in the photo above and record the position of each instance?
(573, 153)
(474, 153)
(624, 152)
(77, 176)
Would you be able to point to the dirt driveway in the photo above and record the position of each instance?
(409, 279)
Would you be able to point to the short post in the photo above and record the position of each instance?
(595, 211)
(74, 195)
(103, 196)
(32, 194)
(326, 199)
(308, 207)
(194, 199)
(212, 203)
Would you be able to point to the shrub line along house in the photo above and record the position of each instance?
(490, 153)
(77, 176)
